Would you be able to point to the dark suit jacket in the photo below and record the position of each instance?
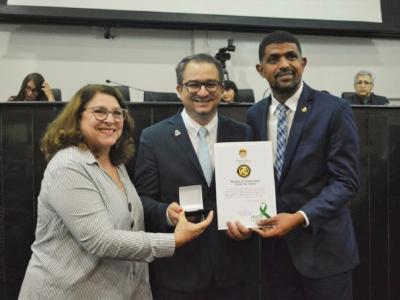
(165, 161)
(319, 177)
(373, 100)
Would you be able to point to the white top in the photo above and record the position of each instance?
(85, 247)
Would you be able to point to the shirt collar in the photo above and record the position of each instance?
(291, 102)
(193, 127)
(87, 156)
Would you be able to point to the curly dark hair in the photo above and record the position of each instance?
(65, 131)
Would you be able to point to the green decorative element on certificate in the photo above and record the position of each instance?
(263, 210)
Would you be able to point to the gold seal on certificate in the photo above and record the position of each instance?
(243, 171)
(245, 184)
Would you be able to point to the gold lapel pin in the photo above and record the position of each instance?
(304, 109)
(177, 132)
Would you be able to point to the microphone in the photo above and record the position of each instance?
(122, 84)
(148, 96)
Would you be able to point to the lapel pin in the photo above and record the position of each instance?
(177, 132)
(304, 109)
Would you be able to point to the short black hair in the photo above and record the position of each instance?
(277, 37)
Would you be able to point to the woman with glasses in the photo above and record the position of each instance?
(90, 240)
(34, 88)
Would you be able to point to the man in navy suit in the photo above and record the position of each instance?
(363, 86)
(310, 249)
(210, 267)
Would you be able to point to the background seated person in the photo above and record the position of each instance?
(34, 88)
(363, 85)
(230, 92)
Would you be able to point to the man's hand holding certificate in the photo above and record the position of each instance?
(244, 182)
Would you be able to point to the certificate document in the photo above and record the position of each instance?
(245, 185)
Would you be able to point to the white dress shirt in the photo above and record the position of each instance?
(273, 116)
(193, 129)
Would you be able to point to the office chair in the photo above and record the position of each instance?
(346, 95)
(160, 97)
(245, 95)
(124, 90)
(57, 94)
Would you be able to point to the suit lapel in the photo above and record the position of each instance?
(262, 119)
(302, 112)
(180, 135)
(223, 130)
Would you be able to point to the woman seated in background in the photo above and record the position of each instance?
(90, 241)
(230, 92)
(34, 88)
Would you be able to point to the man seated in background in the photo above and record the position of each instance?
(363, 85)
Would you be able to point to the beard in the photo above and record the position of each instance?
(287, 88)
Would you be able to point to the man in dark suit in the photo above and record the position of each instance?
(169, 157)
(311, 248)
(363, 85)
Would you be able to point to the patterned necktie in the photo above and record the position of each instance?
(204, 155)
(281, 138)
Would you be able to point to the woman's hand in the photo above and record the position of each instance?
(46, 88)
(186, 231)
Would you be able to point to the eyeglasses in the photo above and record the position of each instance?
(363, 82)
(194, 87)
(101, 113)
(28, 89)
